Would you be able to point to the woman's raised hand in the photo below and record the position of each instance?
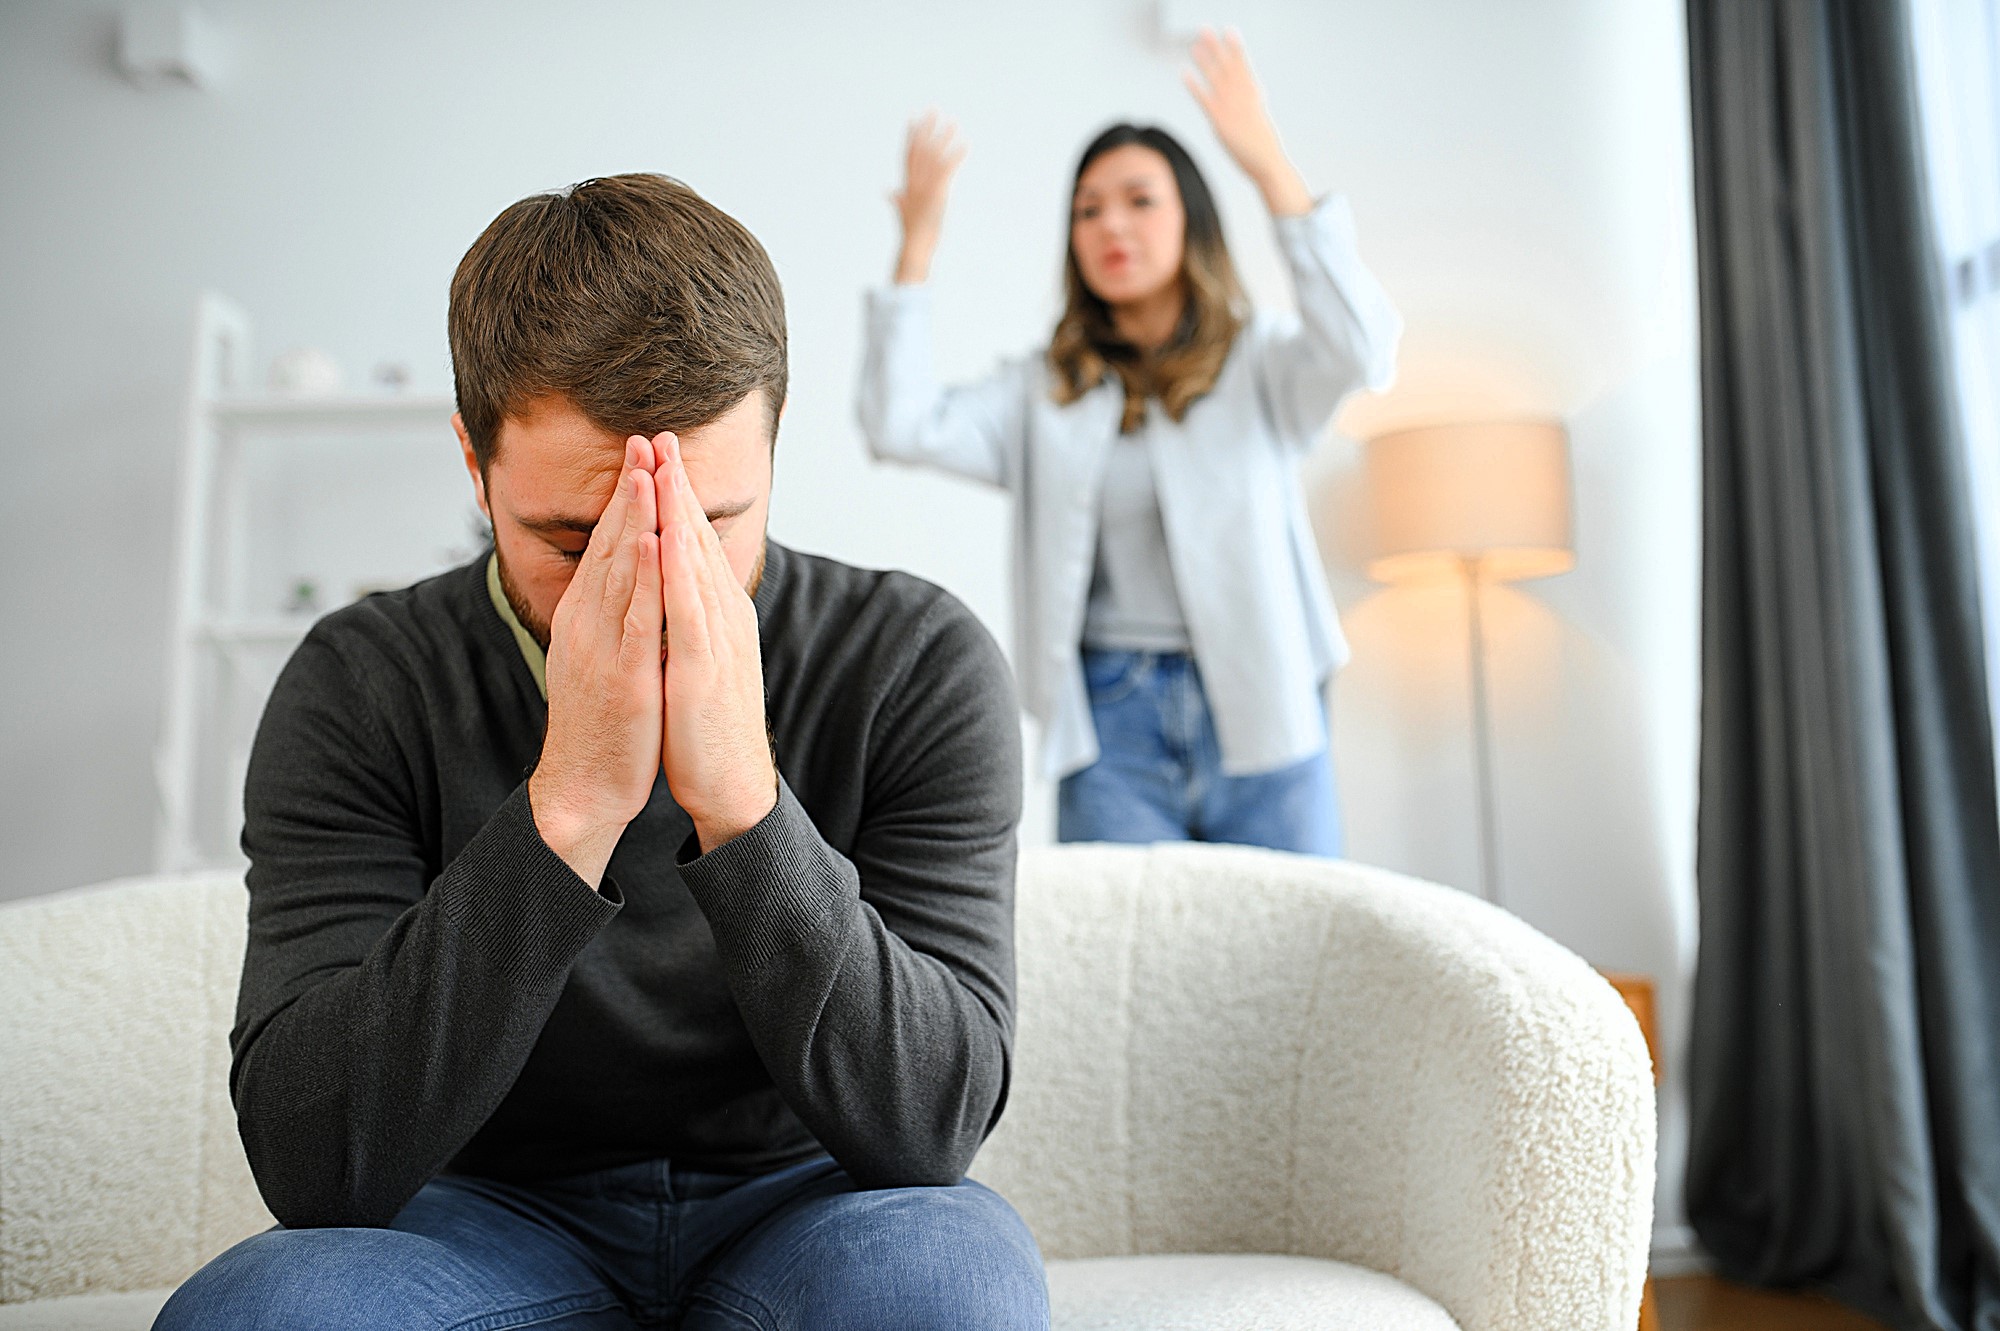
(1223, 82)
(932, 154)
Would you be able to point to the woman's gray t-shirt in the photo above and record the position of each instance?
(1134, 605)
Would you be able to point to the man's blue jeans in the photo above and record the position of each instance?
(646, 1245)
(1159, 774)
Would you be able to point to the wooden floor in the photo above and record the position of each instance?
(1703, 1303)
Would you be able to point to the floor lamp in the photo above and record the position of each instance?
(1481, 502)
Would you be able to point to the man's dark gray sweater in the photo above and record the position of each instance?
(429, 988)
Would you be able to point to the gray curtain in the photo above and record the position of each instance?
(1845, 1057)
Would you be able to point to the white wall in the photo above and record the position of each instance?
(1519, 172)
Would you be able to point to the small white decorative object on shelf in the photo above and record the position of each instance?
(306, 372)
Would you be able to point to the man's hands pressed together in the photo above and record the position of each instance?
(601, 753)
(652, 584)
(716, 749)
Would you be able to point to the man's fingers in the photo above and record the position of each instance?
(619, 568)
(702, 540)
(686, 612)
(641, 519)
(645, 500)
(613, 520)
(656, 450)
(665, 446)
(592, 569)
(666, 511)
(604, 537)
(644, 615)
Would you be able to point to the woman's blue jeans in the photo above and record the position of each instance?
(646, 1245)
(1159, 773)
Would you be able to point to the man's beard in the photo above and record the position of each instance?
(538, 628)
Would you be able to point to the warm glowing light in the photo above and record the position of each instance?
(1492, 497)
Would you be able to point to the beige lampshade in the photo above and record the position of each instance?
(1497, 492)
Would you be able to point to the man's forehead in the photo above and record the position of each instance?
(550, 432)
(556, 431)
(551, 489)
(559, 468)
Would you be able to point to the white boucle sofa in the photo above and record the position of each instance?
(1251, 1091)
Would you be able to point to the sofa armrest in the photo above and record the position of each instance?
(1224, 1050)
(119, 1164)
(1479, 1118)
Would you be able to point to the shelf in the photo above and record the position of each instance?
(391, 410)
(272, 482)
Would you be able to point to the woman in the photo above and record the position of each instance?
(1175, 634)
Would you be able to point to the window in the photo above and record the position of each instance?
(1958, 75)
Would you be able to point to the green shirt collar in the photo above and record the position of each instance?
(531, 651)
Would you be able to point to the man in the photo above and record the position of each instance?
(631, 910)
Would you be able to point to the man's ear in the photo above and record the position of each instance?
(471, 464)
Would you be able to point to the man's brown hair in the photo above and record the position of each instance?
(632, 296)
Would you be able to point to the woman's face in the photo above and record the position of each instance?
(1127, 226)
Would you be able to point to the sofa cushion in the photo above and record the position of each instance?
(1097, 1294)
(1243, 1293)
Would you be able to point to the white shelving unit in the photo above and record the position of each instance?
(342, 494)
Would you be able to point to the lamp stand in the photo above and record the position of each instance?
(1482, 739)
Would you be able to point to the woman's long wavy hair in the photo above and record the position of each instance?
(1086, 346)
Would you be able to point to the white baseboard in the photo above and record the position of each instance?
(1676, 1253)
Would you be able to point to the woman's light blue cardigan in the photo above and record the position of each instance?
(1265, 633)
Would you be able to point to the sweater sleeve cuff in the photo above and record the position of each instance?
(898, 307)
(774, 886)
(1331, 222)
(516, 900)
(900, 296)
